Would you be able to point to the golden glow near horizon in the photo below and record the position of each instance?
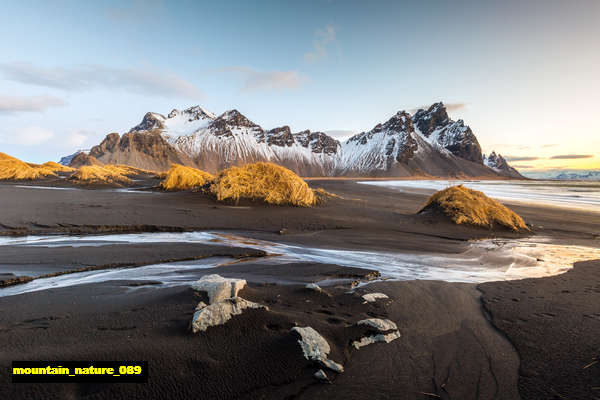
(577, 154)
(560, 163)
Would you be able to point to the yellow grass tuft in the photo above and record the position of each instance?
(6, 157)
(127, 170)
(12, 168)
(180, 177)
(264, 181)
(56, 167)
(468, 206)
(100, 175)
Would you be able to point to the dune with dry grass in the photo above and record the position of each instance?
(266, 182)
(12, 168)
(56, 167)
(100, 175)
(467, 206)
(127, 170)
(180, 177)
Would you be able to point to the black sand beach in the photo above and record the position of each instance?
(527, 339)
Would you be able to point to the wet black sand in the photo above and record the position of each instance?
(448, 348)
(554, 324)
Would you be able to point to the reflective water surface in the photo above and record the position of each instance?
(578, 195)
(485, 260)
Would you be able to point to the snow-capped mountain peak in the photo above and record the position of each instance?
(150, 122)
(426, 143)
(192, 114)
(177, 123)
(499, 164)
(431, 119)
(378, 149)
(453, 136)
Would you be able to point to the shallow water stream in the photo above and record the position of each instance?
(485, 260)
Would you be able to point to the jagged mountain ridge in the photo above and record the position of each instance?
(427, 143)
(500, 165)
(454, 136)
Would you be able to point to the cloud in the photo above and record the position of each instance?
(450, 107)
(323, 38)
(571, 156)
(146, 80)
(28, 136)
(12, 104)
(340, 133)
(517, 158)
(520, 166)
(76, 139)
(267, 80)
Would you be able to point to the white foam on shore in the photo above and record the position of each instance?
(574, 195)
(117, 190)
(483, 261)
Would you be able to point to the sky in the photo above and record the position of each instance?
(523, 74)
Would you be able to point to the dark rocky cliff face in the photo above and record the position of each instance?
(454, 136)
(222, 125)
(146, 150)
(466, 147)
(82, 159)
(281, 136)
(150, 122)
(318, 142)
(431, 119)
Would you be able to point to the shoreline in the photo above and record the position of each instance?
(448, 347)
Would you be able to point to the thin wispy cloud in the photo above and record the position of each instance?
(141, 80)
(571, 156)
(253, 79)
(15, 104)
(521, 166)
(323, 39)
(77, 139)
(517, 158)
(28, 136)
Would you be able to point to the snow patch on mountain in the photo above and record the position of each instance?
(426, 143)
(442, 132)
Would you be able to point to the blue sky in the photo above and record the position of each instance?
(522, 74)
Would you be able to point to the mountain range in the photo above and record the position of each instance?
(566, 174)
(427, 143)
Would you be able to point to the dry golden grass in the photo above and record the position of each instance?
(263, 181)
(5, 157)
(180, 177)
(56, 167)
(127, 170)
(323, 195)
(100, 175)
(12, 168)
(468, 206)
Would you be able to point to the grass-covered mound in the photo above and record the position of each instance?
(101, 175)
(56, 167)
(467, 206)
(266, 182)
(12, 168)
(180, 177)
(127, 170)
